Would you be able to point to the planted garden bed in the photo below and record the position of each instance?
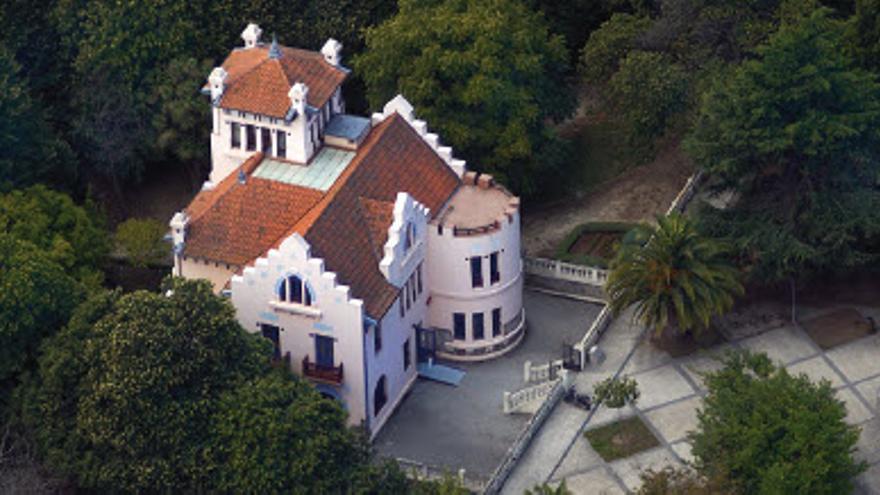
(593, 244)
(621, 439)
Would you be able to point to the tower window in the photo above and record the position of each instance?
(235, 135)
(478, 329)
(458, 326)
(476, 271)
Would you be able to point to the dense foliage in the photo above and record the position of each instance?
(767, 431)
(794, 134)
(36, 298)
(73, 236)
(673, 275)
(486, 75)
(682, 481)
(142, 240)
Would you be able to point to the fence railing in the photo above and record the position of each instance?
(600, 324)
(515, 401)
(545, 267)
(525, 437)
(542, 372)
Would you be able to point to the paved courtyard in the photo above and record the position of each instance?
(453, 427)
(672, 390)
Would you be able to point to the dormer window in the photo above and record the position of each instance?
(294, 290)
(410, 237)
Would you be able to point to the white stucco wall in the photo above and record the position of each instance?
(449, 272)
(216, 273)
(339, 316)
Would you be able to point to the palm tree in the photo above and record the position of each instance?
(673, 275)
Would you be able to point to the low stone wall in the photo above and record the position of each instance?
(420, 471)
(594, 333)
(542, 372)
(525, 437)
(556, 269)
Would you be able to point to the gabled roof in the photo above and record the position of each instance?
(347, 225)
(394, 158)
(258, 83)
(234, 222)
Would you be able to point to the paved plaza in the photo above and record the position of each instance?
(672, 390)
(453, 427)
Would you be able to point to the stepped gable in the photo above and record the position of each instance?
(394, 158)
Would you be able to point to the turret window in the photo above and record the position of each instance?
(235, 135)
(250, 137)
(494, 273)
(410, 237)
(281, 144)
(476, 271)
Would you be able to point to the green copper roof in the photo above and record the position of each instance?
(319, 174)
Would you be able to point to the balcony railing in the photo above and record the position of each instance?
(327, 374)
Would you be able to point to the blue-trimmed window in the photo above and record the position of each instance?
(293, 289)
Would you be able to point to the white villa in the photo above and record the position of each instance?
(359, 246)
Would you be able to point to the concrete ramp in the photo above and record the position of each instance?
(441, 373)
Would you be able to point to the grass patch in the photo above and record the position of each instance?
(837, 328)
(621, 439)
(596, 250)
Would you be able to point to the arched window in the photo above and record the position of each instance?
(380, 396)
(410, 237)
(294, 290)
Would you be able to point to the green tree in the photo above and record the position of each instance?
(673, 275)
(546, 489)
(143, 396)
(610, 44)
(36, 299)
(648, 91)
(770, 432)
(794, 135)
(863, 34)
(682, 481)
(257, 423)
(485, 75)
(71, 235)
(142, 239)
(29, 150)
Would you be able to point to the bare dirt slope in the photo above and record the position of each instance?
(636, 195)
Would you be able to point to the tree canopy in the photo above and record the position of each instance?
(36, 298)
(674, 276)
(794, 133)
(485, 75)
(767, 431)
(71, 235)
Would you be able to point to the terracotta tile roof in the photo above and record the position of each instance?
(259, 84)
(377, 217)
(346, 226)
(234, 223)
(393, 158)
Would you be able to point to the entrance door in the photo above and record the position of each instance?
(324, 351)
(271, 332)
(426, 340)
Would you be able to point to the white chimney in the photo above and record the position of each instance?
(217, 80)
(332, 52)
(251, 35)
(297, 94)
(178, 227)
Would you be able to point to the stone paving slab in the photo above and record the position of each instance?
(595, 482)
(631, 468)
(704, 361)
(683, 450)
(869, 390)
(782, 345)
(868, 483)
(817, 368)
(869, 438)
(858, 359)
(661, 385)
(856, 412)
(580, 458)
(675, 420)
(645, 357)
